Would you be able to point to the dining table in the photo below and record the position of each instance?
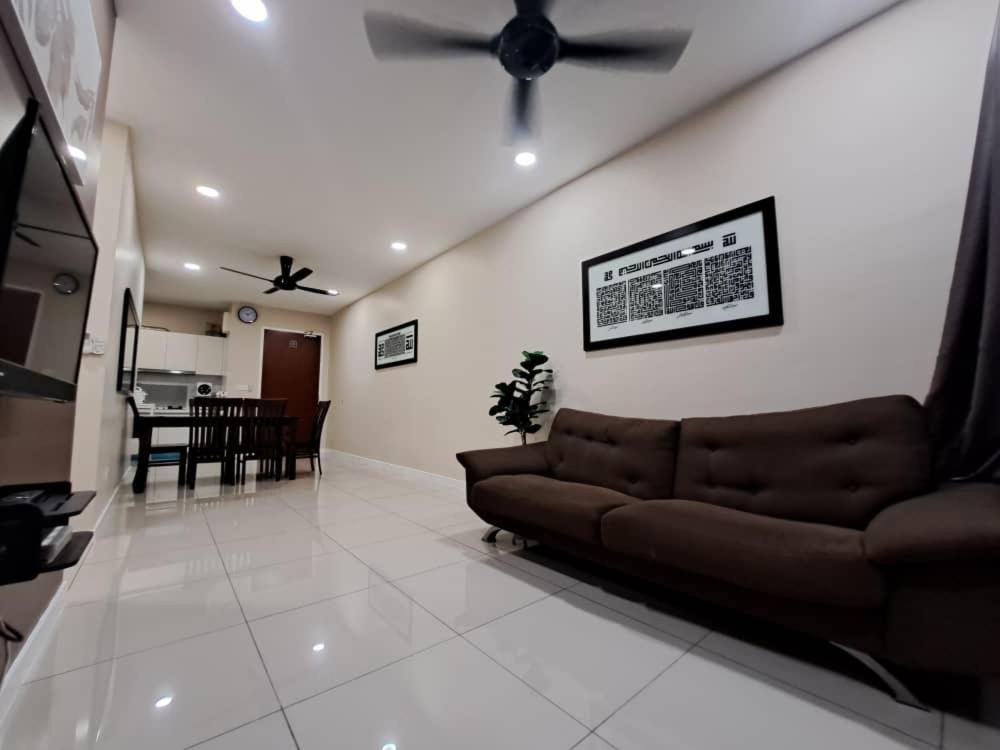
(144, 424)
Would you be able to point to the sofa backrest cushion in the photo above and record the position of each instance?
(633, 456)
(838, 465)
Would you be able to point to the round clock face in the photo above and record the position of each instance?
(247, 314)
(66, 283)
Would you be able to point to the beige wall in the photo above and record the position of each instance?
(244, 347)
(179, 319)
(102, 422)
(866, 144)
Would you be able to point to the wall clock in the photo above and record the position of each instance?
(247, 314)
(66, 283)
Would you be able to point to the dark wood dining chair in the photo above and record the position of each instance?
(209, 435)
(261, 437)
(164, 455)
(311, 448)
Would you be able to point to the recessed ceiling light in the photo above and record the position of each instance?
(689, 251)
(192, 266)
(332, 292)
(319, 647)
(208, 192)
(525, 159)
(389, 746)
(165, 701)
(399, 247)
(77, 153)
(252, 10)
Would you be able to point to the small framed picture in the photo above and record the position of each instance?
(396, 346)
(714, 276)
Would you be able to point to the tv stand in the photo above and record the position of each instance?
(28, 512)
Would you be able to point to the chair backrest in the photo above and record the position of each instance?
(210, 420)
(322, 408)
(262, 422)
(265, 407)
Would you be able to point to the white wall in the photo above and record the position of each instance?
(866, 144)
(100, 440)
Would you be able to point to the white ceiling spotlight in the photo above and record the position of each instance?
(192, 266)
(77, 153)
(332, 292)
(399, 247)
(208, 192)
(252, 10)
(526, 159)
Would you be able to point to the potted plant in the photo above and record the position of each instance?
(519, 402)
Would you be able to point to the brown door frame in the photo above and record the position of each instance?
(323, 383)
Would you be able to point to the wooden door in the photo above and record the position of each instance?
(291, 371)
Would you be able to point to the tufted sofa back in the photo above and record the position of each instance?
(633, 456)
(837, 465)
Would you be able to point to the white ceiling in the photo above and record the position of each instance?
(324, 154)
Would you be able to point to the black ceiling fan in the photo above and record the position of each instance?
(286, 281)
(527, 48)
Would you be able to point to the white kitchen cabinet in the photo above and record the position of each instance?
(152, 349)
(182, 352)
(170, 436)
(211, 356)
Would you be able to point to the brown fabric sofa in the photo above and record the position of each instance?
(823, 520)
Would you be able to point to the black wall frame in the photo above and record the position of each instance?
(416, 342)
(774, 317)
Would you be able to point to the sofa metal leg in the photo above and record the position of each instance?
(490, 537)
(899, 691)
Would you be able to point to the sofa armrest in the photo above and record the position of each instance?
(957, 523)
(522, 459)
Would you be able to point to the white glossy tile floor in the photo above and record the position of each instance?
(361, 610)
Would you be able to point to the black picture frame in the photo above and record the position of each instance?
(416, 341)
(128, 370)
(774, 316)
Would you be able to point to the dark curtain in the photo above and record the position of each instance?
(964, 402)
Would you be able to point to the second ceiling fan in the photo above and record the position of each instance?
(527, 47)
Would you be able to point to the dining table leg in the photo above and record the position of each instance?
(145, 435)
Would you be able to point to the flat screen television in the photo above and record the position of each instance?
(47, 260)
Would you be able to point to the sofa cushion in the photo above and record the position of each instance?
(565, 508)
(834, 464)
(632, 456)
(801, 561)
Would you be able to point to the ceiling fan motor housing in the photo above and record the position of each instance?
(528, 47)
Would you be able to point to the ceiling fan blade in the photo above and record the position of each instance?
(286, 265)
(25, 238)
(272, 290)
(301, 274)
(637, 50)
(392, 36)
(315, 291)
(533, 7)
(244, 273)
(522, 110)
